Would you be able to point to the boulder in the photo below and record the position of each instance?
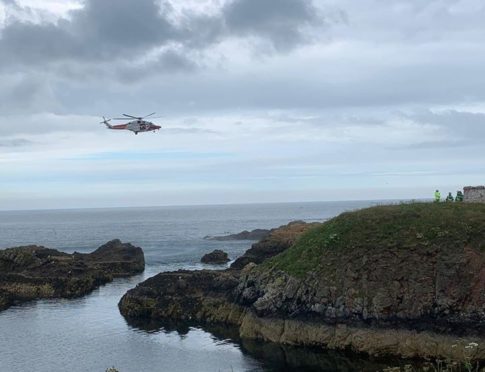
(217, 257)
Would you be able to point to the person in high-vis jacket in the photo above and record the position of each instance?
(437, 196)
(450, 198)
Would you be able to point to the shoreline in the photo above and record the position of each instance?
(429, 278)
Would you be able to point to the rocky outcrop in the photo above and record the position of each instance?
(34, 272)
(196, 294)
(277, 241)
(404, 280)
(256, 234)
(216, 257)
(184, 296)
(116, 258)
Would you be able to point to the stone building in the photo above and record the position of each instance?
(474, 194)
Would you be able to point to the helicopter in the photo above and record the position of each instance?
(136, 125)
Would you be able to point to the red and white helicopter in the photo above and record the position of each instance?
(139, 124)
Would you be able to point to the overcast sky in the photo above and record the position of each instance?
(262, 100)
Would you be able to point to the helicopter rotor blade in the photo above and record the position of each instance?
(135, 117)
(130, 116)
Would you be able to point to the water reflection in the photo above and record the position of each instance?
(273, 357)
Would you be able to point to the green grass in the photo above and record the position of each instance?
(403, 226)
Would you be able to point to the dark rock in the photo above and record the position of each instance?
(117, 258)
(217, 257)
(196, 294)
(256, 234)
(182, 295)
(34, 272)
(274, 243)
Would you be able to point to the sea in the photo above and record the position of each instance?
(89, 334)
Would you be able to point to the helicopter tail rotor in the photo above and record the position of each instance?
(106, 122)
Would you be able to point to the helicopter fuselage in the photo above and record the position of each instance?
(136, 126)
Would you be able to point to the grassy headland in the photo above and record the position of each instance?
(403, 226)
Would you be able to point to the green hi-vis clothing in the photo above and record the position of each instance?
(450, 198)
(459, 196)
(437, 196)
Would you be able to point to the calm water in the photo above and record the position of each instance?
(89, 334)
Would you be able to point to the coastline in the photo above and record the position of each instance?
(325, 308)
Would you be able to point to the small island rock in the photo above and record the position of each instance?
(217, 257)
(256, 234)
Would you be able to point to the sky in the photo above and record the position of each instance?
(260, 100)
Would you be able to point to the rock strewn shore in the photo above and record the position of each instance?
(35, 272)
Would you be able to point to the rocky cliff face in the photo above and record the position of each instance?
(405, 280)
(34, 272)
(423, 289)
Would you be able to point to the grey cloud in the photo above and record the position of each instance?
(461, 127)
(108, 42)
(280, 21)
(31, 44)
(25, 93)
(120, 29)
(91, 64)
(123, 24)
(170, 61)
(102, 30)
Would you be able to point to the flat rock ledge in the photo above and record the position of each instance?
(35, 272)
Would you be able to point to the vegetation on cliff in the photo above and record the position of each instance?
(403, 226)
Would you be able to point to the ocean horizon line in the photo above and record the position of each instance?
(209, 205)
